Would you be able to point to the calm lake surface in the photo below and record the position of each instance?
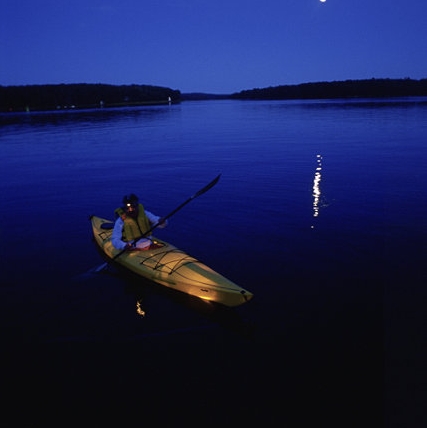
(320, 212)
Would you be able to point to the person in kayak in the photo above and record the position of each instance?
(132, 222)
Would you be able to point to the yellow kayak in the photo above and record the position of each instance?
(167, 265)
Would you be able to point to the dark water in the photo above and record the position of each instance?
(320, 212)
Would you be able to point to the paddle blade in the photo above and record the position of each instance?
(208, 186)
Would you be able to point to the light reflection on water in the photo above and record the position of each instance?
(316, 186)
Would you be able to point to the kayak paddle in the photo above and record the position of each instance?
(198, 193)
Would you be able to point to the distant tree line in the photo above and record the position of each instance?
(370, 88)
(65, 96)
(79, 96)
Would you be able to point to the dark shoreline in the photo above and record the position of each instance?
(82, 96)
(368, 88)
(95, 96)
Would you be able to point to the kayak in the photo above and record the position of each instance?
(167, 265)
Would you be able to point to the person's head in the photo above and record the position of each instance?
(130, 205)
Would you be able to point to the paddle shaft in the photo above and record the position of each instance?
(198, 193)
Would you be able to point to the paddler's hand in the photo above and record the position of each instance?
(129, 246)
(162, 222)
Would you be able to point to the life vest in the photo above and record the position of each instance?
(134, 228)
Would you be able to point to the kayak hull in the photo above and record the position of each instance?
(165, 264)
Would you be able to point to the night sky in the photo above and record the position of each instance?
(220, 46)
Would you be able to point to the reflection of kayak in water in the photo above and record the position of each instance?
(165, 264)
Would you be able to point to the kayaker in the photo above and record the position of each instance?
(132, 222)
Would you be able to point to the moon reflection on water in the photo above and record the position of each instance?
(316, 187)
